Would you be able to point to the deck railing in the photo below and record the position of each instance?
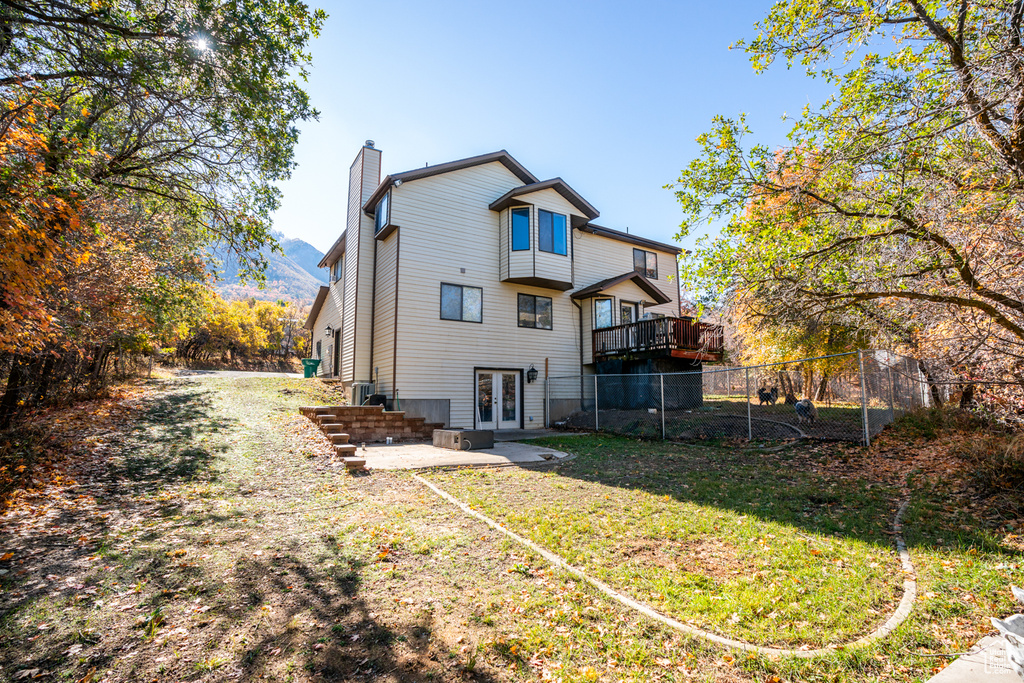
(658, 334)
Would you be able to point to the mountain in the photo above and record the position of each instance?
(293, 276)
(306, 256)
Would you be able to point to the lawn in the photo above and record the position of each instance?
(734, 542)
(200, 532)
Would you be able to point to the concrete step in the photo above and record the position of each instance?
(354, 463)
(345, 449)
(338, 438)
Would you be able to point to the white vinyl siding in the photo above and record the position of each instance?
(384, 312)
(447, 227)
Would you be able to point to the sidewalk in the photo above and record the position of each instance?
(986, 663)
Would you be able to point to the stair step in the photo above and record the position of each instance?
(338, 438)
(345, 449)
(332, 427)
(354, 463)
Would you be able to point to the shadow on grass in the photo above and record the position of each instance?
(251, 617)
(791, 487)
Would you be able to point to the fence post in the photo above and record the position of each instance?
(662, 406)
(863, 399)
(750, 429)
(892, 403)
(547, 403)
(597, 424)
(728, 384)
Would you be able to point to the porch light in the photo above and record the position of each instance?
(531, 374)
(329, 331)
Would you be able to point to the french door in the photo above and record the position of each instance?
(497, 399)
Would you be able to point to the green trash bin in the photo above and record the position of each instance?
(309, 366)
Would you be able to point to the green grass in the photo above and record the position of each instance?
(228, 542)
(718, 539)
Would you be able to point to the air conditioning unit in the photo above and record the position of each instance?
(361, 391)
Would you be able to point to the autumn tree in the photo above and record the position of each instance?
(896, 208)
(133, 136)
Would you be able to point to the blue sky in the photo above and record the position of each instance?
(608, 95)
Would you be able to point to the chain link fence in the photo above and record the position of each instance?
(843, 397)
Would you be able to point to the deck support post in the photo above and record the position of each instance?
(597, 424)
(863, 399)
(662, 376)
(547, 403)
(750, 428)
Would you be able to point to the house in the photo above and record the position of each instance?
(457, 289)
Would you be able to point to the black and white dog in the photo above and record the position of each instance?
(766, 396)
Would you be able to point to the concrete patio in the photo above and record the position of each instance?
(410, 456)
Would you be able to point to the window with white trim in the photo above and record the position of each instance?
(603, 313)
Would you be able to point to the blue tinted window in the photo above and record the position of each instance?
(544, 230)
(520, 229)
(559, 234)
(551, 232)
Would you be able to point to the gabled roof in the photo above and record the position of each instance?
(333, 253)
(502, 157)
(631, 239)
(556, 184)
(639, 280)
(318, 303)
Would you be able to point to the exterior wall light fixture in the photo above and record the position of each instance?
(531, 374)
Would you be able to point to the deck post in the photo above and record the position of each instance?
(662, 376)
(597, 424)
(750, 428)
(547, 402)
(863, 399)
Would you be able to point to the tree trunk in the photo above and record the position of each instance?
(9, 402)
(822, 391)
(936, 395)
(45, 374)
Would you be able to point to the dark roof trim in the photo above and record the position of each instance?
(502, 157)
(631, 239)
(639, 280)
(556, 184)
(336, 250)
(318, 303)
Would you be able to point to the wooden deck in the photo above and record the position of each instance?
(676, 337)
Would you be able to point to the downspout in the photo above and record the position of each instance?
(579, 306)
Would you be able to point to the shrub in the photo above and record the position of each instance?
(995, 461)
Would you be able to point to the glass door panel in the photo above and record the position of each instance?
(485, 418)
(497, 400)
(509, 400)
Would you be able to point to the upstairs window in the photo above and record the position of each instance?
(338, 269)
(382, 214)
(535, 311)
(520, 229)
(646, 263)
(459, 302)
(551, 232)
